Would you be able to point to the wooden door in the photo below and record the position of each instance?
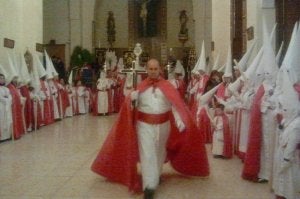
(287, 13)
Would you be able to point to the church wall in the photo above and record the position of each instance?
(120, 11)
(221, 28)
(255, 12)
(57, 24)
(202, 10)
(87, 24)
(173, 24)
(21, 21)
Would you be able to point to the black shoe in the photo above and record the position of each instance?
(149, 193)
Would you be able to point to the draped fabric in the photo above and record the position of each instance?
(17, 116)
(252, 157)
(118, 157)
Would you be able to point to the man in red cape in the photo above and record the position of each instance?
(119, 155)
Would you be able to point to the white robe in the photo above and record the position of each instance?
(218, 136)
(5, 113)
(152, 138)
(36, 101)
(81, 99)
(246, 98)
(287, 178)
(69, 109)
(102, 104)
(54, 94)
(268, 132)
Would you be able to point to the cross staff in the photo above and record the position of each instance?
(134, 73)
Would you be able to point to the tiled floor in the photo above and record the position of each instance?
(54, 162)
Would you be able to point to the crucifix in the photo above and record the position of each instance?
(135, 69)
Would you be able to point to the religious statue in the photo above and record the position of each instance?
(147, 18)
(111, 32)
(183, 33)
(28, 60)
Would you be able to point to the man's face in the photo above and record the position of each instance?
(2, 80)
(153, 69)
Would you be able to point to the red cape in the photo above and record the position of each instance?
(118, 157)
(227, 150)
(204, 126)
(221, 91)
(48, 106)
(17, 116)
(252, 156)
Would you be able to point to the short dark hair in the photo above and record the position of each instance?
(221, 106)
(2, 75)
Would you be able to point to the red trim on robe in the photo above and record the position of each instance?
(17, 116)
(220, 93)
(28, 107)
(118, 157)
(48, 106)
(227, 150)
(252, 157)
(204, 126)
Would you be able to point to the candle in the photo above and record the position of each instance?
(99, 44)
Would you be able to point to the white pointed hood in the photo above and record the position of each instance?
(10, 69)
(287, 58)
(39, 66)
(70, 79)
(268, 61)
(204, 99)
(251, 70)
(35, 78)
(51, 71)
(279, 53)
(289, 98)
(245, 61)
(25, 77)
(222, 69)
(228, 67)
(201, 63)
(292, 64)
(216, 64)
(272, 35)
(179, 68)
(233, 87)
(120, 64)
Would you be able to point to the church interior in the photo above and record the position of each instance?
(67, 68)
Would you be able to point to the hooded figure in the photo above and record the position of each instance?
(5, 108)
(102, 103)
(17, 100)
(258, 159)
(203, 118)
(286, 181)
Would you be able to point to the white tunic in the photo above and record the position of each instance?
(152, 138)
(5, 113)
(287, 180)
(268, 132)
(81, 99)
(247, 98)
(102, 104)
(218, 137)
(54, 94)
(69, 109)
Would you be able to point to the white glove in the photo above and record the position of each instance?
(134, 95)
(180, 125)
